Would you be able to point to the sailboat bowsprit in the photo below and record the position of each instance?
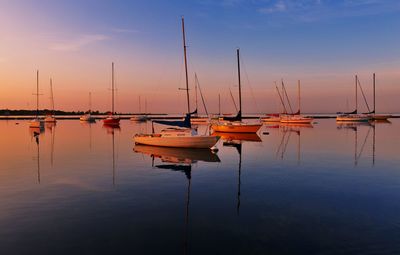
(180, 134)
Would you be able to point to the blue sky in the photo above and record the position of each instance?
(323, 42)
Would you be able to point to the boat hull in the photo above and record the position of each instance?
(196, 142)
(380, 117)
(240, 128)
(353, 118)
(87, 118)
(111, 121)
(297, 121)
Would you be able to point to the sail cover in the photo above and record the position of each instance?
(178, 123)
(238, 117)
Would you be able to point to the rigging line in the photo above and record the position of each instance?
(282, 101)
(362, 92)
(280, 145)
(248, 81)
(286, 144)
(201, 95)
(287, 97)
(233, 99)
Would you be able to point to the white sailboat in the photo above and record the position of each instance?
(353, 116)
(50, 118)
(296, 118)
(141, 117)
(182, 135)
(88, 116)
(37, 122)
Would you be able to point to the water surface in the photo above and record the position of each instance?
(85, 189)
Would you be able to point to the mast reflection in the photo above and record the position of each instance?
(35, 133)
(179, 159)
(236, 140)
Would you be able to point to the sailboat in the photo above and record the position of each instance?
(50, 118)
(373, 114)
(88, 116)
(235, 124)
(112, 120)
(36, 122)
(296, 117)
(353, 116)
(181, 135)
(141, 117)
(271, 117)
(197, 119)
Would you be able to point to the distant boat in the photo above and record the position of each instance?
(181, 135)
(50, 118)
(271, 117)
(296, 118)
(140, 118)
(112, 120)
(235, 124)
(373, 115)
(88, 116)
(353, 116)
(37, 122)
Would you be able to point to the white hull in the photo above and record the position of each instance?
(296, 119)
(87, 118)
(139, 118)
(198, 142)
(271, 119)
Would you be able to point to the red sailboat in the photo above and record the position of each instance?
(112, 120)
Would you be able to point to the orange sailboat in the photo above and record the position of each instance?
(235, 124)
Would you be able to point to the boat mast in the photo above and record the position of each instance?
(90, 102)
(219, 104)
(240, 85)
(145, 105)
(140, 108)
(374, 90)
(195, 89)
(112, 84)
(356, 80)
(298, 89)
(51, 95)
(186, 69)
(37, 93)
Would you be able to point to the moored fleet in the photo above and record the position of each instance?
(183, 133)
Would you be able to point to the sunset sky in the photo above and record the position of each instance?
(324, 43)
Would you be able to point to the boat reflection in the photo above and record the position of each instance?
(228, 137)
(111, 131)
(287, 130)
(35, 132)
(178, 155)
(181, 160)
(236, 141)
(355, 126)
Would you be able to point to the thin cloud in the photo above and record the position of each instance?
(279, 6)
(78, 43)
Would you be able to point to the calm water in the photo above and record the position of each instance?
(86, 189)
